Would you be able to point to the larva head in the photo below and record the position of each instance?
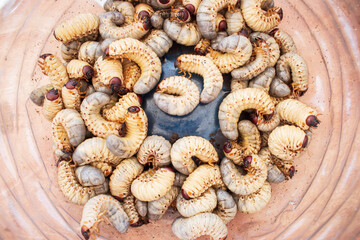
(291, 171)
(244, 32)
(122, 130)
(267, 4)
(220, 23)
(115, 85)
(146, 22)
(305, 141)
(46, 55)
(88, 72)
(279, 11)
(139, 223)
(312, 121)
(85, 232)
(72, 83)
(227, 147)
(134, 109)
(52, 94)
(247, 161)
(254, 118)
(118, 198)
(301, 93)
(184, 194)
(273, 32)
(190, 8)
(164, 2)
(183, 15)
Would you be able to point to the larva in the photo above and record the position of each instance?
(60, 154)
(226, 206)
(180, 14)
(191, 5)
(52, 67)
(151, 185)
(89, 176)
(263, 80)
(179, 179)
(177, 95)
(274, 174)
(257, 66)
(136, 123)
(129, 208)
(286, 142)
(256, 201)
(79, 69)
(220, 23)
(294, 63)
(99, 206)
(131, 72)
(141, 207)
(249, 144)
(266, 124)
(205, 67)
(204, 203)
(71, 94)
(235, 21)
(258, 19)
(198, 225)
(104, 167)
(159, 42)
(68, 130)
(78, 27)
(237, 101)
(237, 84)
(157, 208)
(143, 56)
(298, 113)
(215, 42)
(37, 96)
(160, 4)
(264, 138)
(70, 50)
(279, 89)
(90, 51)
(125, 8)
(187, 34)
(157, 19)
(186, 149)
(286, 167)
(142, 10)
(156, 150)
(202, 178)
(52, 104)
(122, 177)
(273, 46)
(284, 40)
(203, 46)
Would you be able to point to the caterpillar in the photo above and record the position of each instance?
(226, 206)
(157, 208)
(158, 41)
(156, 150)
(52, 104)
(187, 34)
(204, 203)
(52, 67)
(256, 201)
(80, 69)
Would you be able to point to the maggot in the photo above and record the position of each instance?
(52, 104)
(131, 72)
(70, 50)
(157, 208)
(80, 69)
(71, 94)
(204, 203)
(274, 173)
(284, 40)
(226, 206)
(235, 21)
(158, 41)
(187, 34)
(273, 46)
(263, 80)
(90, 51)
(89, 176)
(256, 201)
(52, 67)
(130, 209)
(156, 150)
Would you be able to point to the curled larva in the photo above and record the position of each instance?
(52, 67)
(68, 130)
(256, 201)
(131, 72)
(198, 225)
(237, 84)
(268, 124)
(180, 14)
(157, 19)
(80, 26)
(141, 207)
(179, 179)
(156, 150)
(298, 113)
(286, 142)
(99, 206)
(143, 56)
(296, 65)
(37, 96)
(89, 176)
(254, 68)
(202, 178)
(118, 111)
(153, 184)
(104, 167)
(257, 18)
(52, 104)
(177, 95)
(90, 51)
(237, 101)
(203, 46)
(273, 46)
(213, 80)
(158, 41)
(274, 173)
(79, 69)
(286, 167)
(71, 94)
(235, 21)
(204, 203)
(130, 209)
(70, 50)
(226, 206)
(122, 177)
(263, 80)
(187, 34)
(249, 144)
(187, 149)
(279, 89)
(191, 5)
(125, 8)
(284, 40)
(157, 208)
(215, 42)
(141, 10)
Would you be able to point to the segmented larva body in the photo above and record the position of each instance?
(159, 42)
(187, 34)
(70, 50)
(279, 89)
(125, 8)
(204, 203)
(104, 167)
(131, 72)
(237, 84)
(77, 27)
(237, 101)
(157, 19)
(119, 110)
(70, 187)
(156, 150)
(235, 21)
(263, 80)
(52, 67)
(205, 67)
(177, 95)
(198, 225)
(141, 207)
(123, 175)
(215, 42)
(187, 148)
(37, 96)
(294, 63)
(274, 174)
(129, 208)
(264, 138)
(298, 113)
(286, 167)
(141, 10)
(257, 18)
(68, 130)
(256, 201)
(270, 124)
(52, 104)
(202, 178)
(257, 66)
(157, 208)
(153, 184)
(90, 51)
(89, 176)
(71, 94)
(284, 40)
(250, 142)
(220, 23)
(80, 69)
(179, 179)
(101, 205)
(226, 206)
(273, 46)
(143, 56)
(286, 142)
(191, 5)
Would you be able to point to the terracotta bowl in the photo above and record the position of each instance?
(320, 202)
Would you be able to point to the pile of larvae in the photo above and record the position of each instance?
(99, 130)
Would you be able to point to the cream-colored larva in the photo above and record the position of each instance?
(267, 125)
(52, 104)
(153, 184)
(143, 56)
(180, 14)
(99, 206)
(81, 26)
(179, 179)
(131, 72)
(141, 10)
(284, 40)
(237, 101)
(263, 80)
(256, 201)
(249, 144)
(213, 80)
(125, 8)
(158, 41)
(118, 111)
(186, 149)
(286, 142)
(204, 203)
(215, 42)
(90, 51)
(158, 18)
(298, 113)
(177, 95)
(104, 167)
(201, 224)
(70, 50)
(187, 34)
(80, 69)
(273, 46)
(156, 150)
(279, 89)
(68, 130)
(130, 209)
(71, 94)
(122, 177)
(52, 67)
(220, 23)
(285, 166)
(226, 206)
(237, 84)
(235, 21)
(274, 173)
(157, 208)
(202, 178)
(191, 5)
(264, 138)
(37, 96)
(89, 176)
(141, 207)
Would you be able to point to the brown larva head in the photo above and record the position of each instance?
(134, 109)
(88, 72)
(280, 12)
(143, 13)
(184, 194)
(118, 198)
(183, 15)
(72, 83)
(146, 22)
(272, 32)
(85, 232)
(247, 161)
(227, 147)
(222, 25)
(254, 118)
(45, 55)
(305, 141)
(115, 85)
(52, 94)
(164, 1)
(244, 32)
(291, 171)
(312, 121)
(190, 8)
(122, 130)
(106, 53)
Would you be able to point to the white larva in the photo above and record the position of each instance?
(70, 50)
(187, 34)
(156, 150)
(273, 46)
(141, 207)
(52, 104)
(284, 40)
(80, 69)
(125, 8)
(279, 89)
(263, 80)
(159, 42)
(274, 174)
(226, 206)
(157, 208)
(130, 209)
(52, 67)
(37, 96)
(71, 94)
(256, 201)
(117, 112)
(89, 176)
(131, 73)
(235, 21)
(90, 51)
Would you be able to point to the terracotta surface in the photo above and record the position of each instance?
(320, 202)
